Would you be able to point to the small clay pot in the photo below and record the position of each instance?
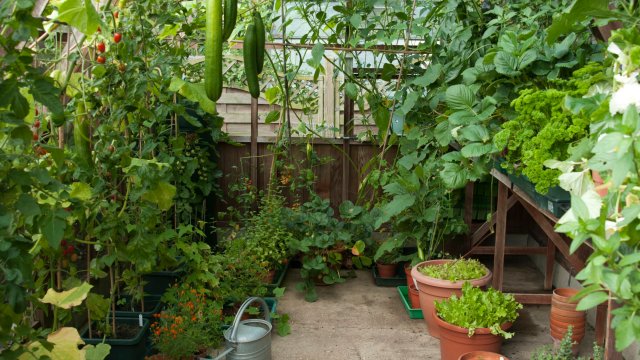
(414, 297)
(564, 295)
(407, 273)
(269, 276)
(567, 313)
(482, 355)
(577, 325)
(386, 271)
(558, 335)
(564, 305)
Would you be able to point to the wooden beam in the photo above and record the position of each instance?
(501, 235)
(601, 324)
(533, 299)
(557, 240)
(521, 194)
(468, 208)
(484, 229)
(549, 265)
(510, 250)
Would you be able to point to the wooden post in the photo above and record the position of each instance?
(254, 142)
(610, 352)
(329, 96)
(468, 209)
(601, 323)
(346, 136)
(501, 235)
(550, 264)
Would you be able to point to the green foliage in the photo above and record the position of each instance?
(479, 309)
(265, 237)
(610, 221)
(564, 351)
(389, 251)
(545, 128)
(456, 270)
(325, 242)
(190, 323)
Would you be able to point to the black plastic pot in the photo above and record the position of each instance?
(134, 348)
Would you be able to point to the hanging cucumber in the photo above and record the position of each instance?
(249, 54)
(81, 135)
(230, 17)
(213, 50)
(260, 40)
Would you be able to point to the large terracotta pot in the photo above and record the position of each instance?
(482, 355)
(564, 314)
(386, 271)
(455, 340)
(432, 289)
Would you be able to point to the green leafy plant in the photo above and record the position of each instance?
(545, 129)
(564, 351)
(456, 270)
(324, 241)
(479, 309)
(609, 221)
(190, 324)
(389, 251)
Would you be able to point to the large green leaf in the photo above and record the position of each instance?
(80, 14)
(67, 299)
(453, 175)
(476, 149)
(62, 345)
(580, 11)
(80, 191)
(10, 96)
(429, 76)
(460, 97)
(395, 207)
(194, 92)
(52, 226)
(162, 195)
(45, 92)
(98, 352)
(506, 64)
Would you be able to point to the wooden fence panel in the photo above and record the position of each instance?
(235, 163)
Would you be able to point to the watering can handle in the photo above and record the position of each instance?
(245, 305)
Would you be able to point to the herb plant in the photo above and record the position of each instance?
(456, 270)
(544, 128)
(479, 309)
(564, 351)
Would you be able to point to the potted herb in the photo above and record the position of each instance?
(387, 256)
(266, 237)
(566, 349)
(439, 279)
(477, 320)
(191, 324)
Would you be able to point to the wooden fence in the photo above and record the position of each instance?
(235, 162)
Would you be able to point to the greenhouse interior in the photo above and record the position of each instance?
(311, 180)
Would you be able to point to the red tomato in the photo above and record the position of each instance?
(100, 59)
(117, 37)
(101, 47)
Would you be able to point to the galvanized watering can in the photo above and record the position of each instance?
(248, 339)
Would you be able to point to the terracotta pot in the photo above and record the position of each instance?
(482, 355)
(455, 340)
(407, 273)
(386, 271)
(268, 277)
(432, 289)
(559, 324)
(572, 314)
(414, 296)
(564, 314)
(601, 189)
(563, 305)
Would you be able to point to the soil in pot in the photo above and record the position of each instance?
(455, 340)
(432, 289)
(482, 355)
(386, 270)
